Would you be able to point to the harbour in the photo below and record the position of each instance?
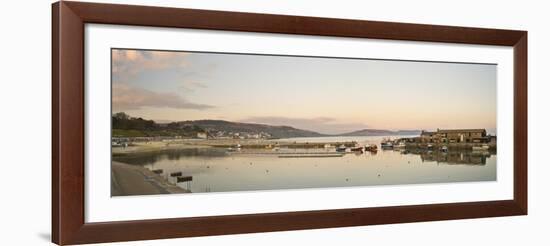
(215, 169)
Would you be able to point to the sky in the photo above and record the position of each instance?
(327, 95)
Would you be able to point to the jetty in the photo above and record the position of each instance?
(291, 154)
(127, 180)
(310, 155)
(264, 144)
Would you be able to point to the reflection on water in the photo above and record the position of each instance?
(216, 170)
(453, 157)
(149, 158)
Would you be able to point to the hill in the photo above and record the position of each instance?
(125, 126)
(215, 127)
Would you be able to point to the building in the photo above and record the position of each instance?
(427, 137)
(455, 136)
(202, 135)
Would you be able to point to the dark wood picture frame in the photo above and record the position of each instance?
(68, 223)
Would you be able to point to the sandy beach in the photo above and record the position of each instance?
(135, 180)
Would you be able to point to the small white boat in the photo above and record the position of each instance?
(341, 148)
(386, 144)
(444, 149)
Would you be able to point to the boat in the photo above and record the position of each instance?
(386, 144)
(430, 147)
(341, 148)
(358, 149)
(371, 148)
(444, 149)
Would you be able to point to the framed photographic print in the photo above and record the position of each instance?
(174, 122)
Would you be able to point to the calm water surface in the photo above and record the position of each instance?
(215, 170)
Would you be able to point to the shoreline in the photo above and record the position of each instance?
(152, 146)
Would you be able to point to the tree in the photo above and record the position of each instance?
(121, 116)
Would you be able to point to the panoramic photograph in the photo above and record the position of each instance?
(199, 122)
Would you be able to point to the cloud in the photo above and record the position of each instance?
(325, 125)
(192, 85)
(127, 63)
(126, 97)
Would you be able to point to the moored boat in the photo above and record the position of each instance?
(341, 148)
(358, 149)
(371, 148)
(386, 144)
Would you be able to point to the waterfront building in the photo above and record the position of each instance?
(202, 135)
(455, 136)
